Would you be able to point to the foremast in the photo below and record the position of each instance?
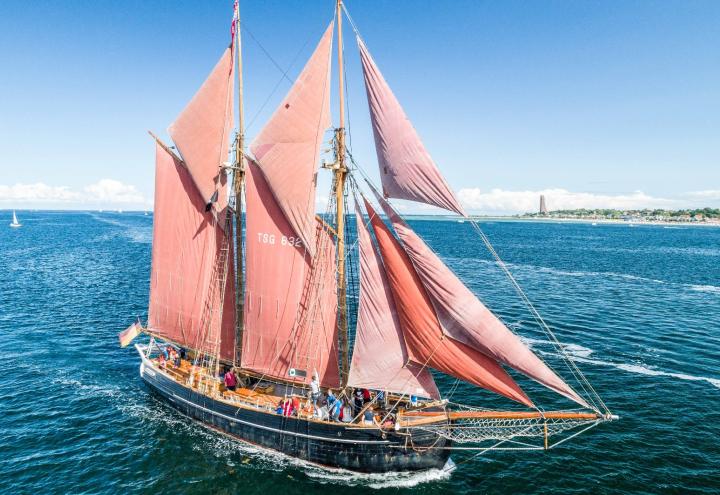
(339, 181)
(238, 185)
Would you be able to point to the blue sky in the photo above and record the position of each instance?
(593, 103)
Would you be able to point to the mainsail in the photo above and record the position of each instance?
(288, 147)
(406, 169)
(290, 304)
(202, 132)
(464, 318)
(424, 338)
(189, 268)
(380, 360)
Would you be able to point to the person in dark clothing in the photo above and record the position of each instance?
(357, 401)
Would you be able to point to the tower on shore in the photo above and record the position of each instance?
(543, 206)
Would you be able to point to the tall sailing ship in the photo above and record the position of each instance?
(272, 305)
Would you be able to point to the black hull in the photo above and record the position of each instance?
(334, 445)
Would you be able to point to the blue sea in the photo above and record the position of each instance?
(638, 308)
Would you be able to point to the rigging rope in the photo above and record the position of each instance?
(590, 394)
(587, 387)
(283, 77)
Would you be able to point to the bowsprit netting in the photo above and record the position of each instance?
(477, 431)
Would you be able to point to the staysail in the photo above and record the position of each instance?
(464, 318)
(202, 132)
(424, 338)
(290, 306)
(406, 169)
(380, 360)
(288, 147)
(186, 281)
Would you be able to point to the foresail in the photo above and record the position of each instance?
(406, 169)
(290, 306)
(424, 338)
(201, 133)
(288, 147)
(464, 318)
(186, 306)
(379, 359)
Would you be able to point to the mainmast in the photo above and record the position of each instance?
(340, 173)
(238, 183)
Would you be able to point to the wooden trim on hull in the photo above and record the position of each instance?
(334, 445)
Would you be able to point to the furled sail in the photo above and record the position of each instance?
(380, 360)
(186, 281)
(464, 318)
(288, 147)
(202, 132)
(406, 169)
(290, 305)
(425, 341)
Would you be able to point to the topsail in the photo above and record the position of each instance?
(406, 169)
(202, 133)
(288, 147)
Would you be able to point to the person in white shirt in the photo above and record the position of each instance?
(315, 393)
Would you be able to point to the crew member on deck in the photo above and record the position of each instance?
(315, 393)
(174, 357)
(357, 401)
(368, 416)
(336, 409)
(230, 380)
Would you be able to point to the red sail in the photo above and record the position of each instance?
(186, 306)
(380, 360)
(424, 338)
(406, 169)
(202, 132)
(288, 147)
(290, 306)
(464, 318)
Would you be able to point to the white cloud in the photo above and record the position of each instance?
(114, 191)
(504, 201)
(321, 203)
(38, 192)
(104, 192)
(708, 194)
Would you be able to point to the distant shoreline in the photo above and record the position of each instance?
(609, 221)
(604, 221)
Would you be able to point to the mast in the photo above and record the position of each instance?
(340, 173)
(238, 183)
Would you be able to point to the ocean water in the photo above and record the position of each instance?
(639, 308)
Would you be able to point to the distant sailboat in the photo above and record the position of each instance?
(257, 290)
(15, 222)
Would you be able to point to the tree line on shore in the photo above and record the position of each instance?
(647, 213)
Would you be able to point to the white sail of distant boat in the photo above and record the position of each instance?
(15, 222)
